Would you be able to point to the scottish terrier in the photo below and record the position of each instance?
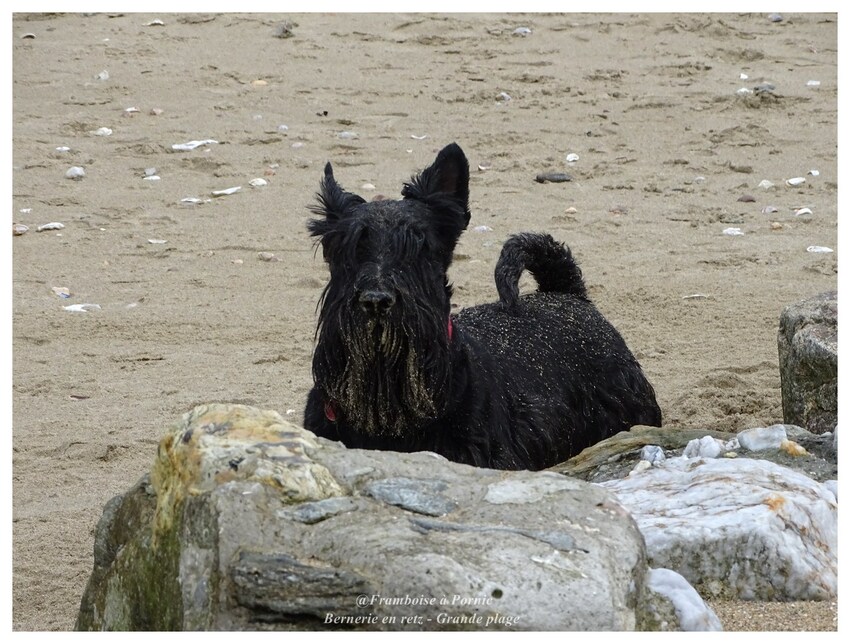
(522, 383)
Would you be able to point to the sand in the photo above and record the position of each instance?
(648, 102)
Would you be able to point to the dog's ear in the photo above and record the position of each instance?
(444, 186)
(334, 204)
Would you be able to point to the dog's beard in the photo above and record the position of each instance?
(387, 376)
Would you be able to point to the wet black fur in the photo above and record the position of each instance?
(523, 383)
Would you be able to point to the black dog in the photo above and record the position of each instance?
(523, 383)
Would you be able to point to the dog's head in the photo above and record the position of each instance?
(384, 315)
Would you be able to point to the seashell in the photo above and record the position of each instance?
(191, 145)
(504, 97)
(521, 31)
(152, 177)
(552, 177)
(765, 184)
(238, 262)
(154, 23)
(769, 210)
(258, 183)
(19, 229)
(297, 144)
(53, 225)
(82, 308)
(131, 110)
(157, 241)
(699, 179)
(814, 173)
(29, 34)
(775, 17)
(743, 76)
(485, 165)
(732, 231)
(259, 82)
(813, 83)
(102, 131)
(572, 157)
(764, 87)
(819, 249)
(419, 138)
(483, 229)
(803, 211)
(104, 75)
(571, 210)
(226, 191)
(347, 135)
(744, 91)
(63, 148)
(191, 200)
(796, 181)
(75, 172)
(747, 198)
(26, 211)
(368, 186)
(775, 225)
(282, 128)
(695, 296)
(61, 291)
(268, 257)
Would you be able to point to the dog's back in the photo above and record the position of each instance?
(576, 374)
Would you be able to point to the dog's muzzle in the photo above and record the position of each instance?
(375, 302)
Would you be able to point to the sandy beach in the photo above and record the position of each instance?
(203, 298)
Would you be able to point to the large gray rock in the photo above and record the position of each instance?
(248, 522)
(808, 362)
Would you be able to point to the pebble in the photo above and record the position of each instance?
(102, 131)
(82, 308)
(155, 111)
(368, 186)
(75, 172)
(191, 145)
(157, 241)
(226, 191)
(775, 225)
(504, 97)
(282, 128)
(819, 249)
(765, 184)
(259, 83)
(796, 181)
(813, 83)
(747, 198)
(761, 438)
(792, 448)
(151, 177)
(63, 148)
(154, 23)
(705, 447)
(814, 173)
(267, 257)
(149, 172)
(347, 135)
(743, 76)
(571, 210)
(482, 229)
(296, 145)
(775, 17)
(552, 177)
(129, 111)
(744, 91)
(53, 225)
(802, 211)
(258, 182)
(732, 231)
(61, 291)
(769, 210)
(572, 157)
(283, 30)
(19, 229)
(104, 75)
(521, 31)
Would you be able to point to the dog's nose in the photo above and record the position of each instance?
(376, 302)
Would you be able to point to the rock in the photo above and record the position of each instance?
(691, 612)
(762, 438)
(808, 362)
(248, 522)
(737, 528)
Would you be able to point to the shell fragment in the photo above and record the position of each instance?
(191, 145)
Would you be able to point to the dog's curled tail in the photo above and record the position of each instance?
(551, 263)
